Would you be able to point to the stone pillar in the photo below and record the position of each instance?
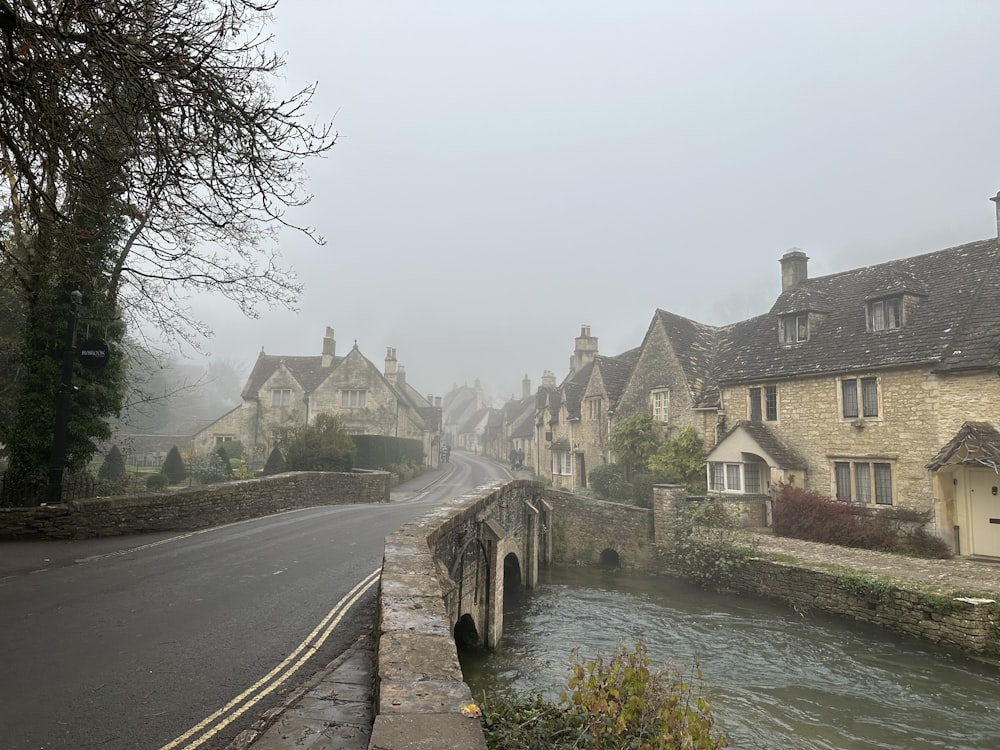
(667, 500)
(495, 537)
(530, 572)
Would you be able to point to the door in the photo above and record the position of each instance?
(984, 513)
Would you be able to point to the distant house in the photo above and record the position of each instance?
(284, 391)
(463, 416)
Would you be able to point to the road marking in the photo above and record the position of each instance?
(269, 682)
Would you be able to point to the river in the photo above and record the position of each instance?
(776, 679)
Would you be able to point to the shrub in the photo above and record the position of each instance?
(156, 482)
(222, 454)
(602, 478)
(805, 515)
(275, 463)
(618, 703)
(321, 446)
(173, 467)
(113, 467)
(210, 469)
(234, 449)
(642, 488)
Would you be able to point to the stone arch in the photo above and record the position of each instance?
(466, 634)
(512, 577)
(610, 558)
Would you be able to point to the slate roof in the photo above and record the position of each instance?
(308, 371)
(977, 442)
(953, 323)
(615, 372)
(700, 349)
(786, 457)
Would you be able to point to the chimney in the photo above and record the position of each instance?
(794, 268)
(437, 401)
(548, 379)
(390, 365)
(525, 386)
(401, 376)
(329, 347)
(996, 199)
(586, 349)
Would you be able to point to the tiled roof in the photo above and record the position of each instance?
(953, 321)
(615, 372)
(974, 443)
(786, 457)
(699, 348)
(308, 371)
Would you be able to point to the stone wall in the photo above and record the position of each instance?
(968, 625)
(584, 528)
(194, 508)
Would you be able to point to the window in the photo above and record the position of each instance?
(795, 328)
(220, 439)
(661, 405)
(764, 403)
(354, 399)
(594, 408)
(885, 314)
(560, 463)
(868, 478)
(741, 478)
(281, 397)
(859, 391)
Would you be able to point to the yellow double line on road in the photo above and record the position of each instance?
(212, 725)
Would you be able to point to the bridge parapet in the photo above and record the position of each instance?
(442, 569)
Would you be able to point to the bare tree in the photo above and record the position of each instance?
(145, 158)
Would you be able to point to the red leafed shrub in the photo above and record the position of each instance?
(804, 515)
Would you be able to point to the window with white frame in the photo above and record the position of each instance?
(560, 463)
(744, 478)
(794, 328)
(764, 403)
(864, 482)
(859, 397)
(660, 401)
(885, 314)
(353, 399)
(281, 396)
(220, 439)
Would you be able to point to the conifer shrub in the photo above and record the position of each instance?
(275, 463)
(222, 454)
(173, 467)
(112, 467)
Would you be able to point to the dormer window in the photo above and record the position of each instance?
(885, 314)
(795, 328)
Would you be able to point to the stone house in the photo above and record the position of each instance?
(283, 392)
(462, 410)
(878, 385)
(573, 420)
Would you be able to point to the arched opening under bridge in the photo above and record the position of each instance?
(512, 580)
(610, 559)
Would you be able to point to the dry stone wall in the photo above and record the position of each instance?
(194, 508)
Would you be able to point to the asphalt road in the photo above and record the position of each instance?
(183, 640)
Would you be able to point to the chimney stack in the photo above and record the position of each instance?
(586, 349)
(390, 365)
(548, 379)
(526, 386)
(329, 347)
(996, 199)
(794, 268)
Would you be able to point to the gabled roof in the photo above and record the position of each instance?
(767, 445)
(573, 388)
(615, 372)
(974, 443)
(951, 319)
(308, 371)
(699, 349)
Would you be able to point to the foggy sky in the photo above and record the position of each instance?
(507, 172)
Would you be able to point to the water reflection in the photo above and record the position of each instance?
(777, 679)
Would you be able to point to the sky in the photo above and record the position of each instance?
(509, 172)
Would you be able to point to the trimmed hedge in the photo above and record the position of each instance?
(383, 451)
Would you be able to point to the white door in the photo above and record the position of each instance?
(984, 513)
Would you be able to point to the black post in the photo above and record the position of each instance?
(64, 399)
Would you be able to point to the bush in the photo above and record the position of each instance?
(210, 469)
(642, 488)
(603, 478)
(275, 463)
(805, 515)
(234, 449)
(173, 467)
(113, 467)
(222, 454)
(618, 703)
(156, 482)
(321, 446)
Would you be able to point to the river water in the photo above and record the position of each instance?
(776, 679)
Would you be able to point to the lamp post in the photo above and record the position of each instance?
(64, 398)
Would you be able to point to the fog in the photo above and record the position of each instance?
(507, 172)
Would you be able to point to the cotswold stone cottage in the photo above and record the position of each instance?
(879, 385)
(286, 391)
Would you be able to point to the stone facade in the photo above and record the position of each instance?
(195, 508)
